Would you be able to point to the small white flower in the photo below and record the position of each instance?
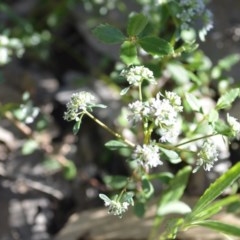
(234, 125)
(163, 112)
(118, 206)
(171, 133)
(175, 100)
(135, 75)
(79, 102)
(207, 155)
(147, 155)
(138, 110)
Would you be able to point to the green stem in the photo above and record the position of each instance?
(140, 92)
(117, 135)
(147, 132)
(196, 139)
(154, 231)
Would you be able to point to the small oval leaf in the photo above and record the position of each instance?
(124, 91)
(69, 170)
(155, 46)
(139, 209)
(114, 145)
(176, 207)
(147, 188)
(116, 182)
(128, 53)
(213, 116)
(172, 156)
(192, 102)
(29, 147)
(136, 24)
(227, 99)
(76, 127)
(228, 62)
(108, 34)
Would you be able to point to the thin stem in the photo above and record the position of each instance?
(140, 92)
(196, 139)
(117, 135)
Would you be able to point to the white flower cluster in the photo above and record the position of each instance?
(118, 207)
(163, 112)
(7, 47)
(78, 103)
(135, 75)
(147, 155)
(207, 155)
(192, 10)
(234, 125)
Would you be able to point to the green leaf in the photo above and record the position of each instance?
(227, 99)
(69, 170)
(228, 62)
(213, 116)
(128, 53)
(42, 123)
(195, 78)
(52, 164)
(222, 128)
(216, 72)
(136, 24)
(155, 46)
(77, 125)
(174, 207)
(116, 181)
(176, 187)
(108, 34)
(139, 209)
(220, 227)
(114, 145)
(29, 147)
(147, 187)
(124, 91)
(216, 207)
(164, 177)
(192, 102)
(128, 197)
(105, 198)
(172, 156)
(178, 73)
(216, 189)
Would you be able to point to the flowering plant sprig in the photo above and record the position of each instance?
(170, 125)
(119, 204)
